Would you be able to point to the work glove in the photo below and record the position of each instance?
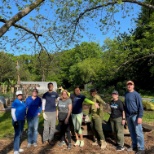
(45, 116)
(15, 124)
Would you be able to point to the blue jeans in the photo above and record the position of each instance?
(17, 135)
(32, 129)
(136, 132)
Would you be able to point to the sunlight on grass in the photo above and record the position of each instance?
(6, 128)
(148, 116)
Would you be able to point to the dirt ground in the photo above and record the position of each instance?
(6, 146)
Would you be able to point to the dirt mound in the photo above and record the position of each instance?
(7, 146)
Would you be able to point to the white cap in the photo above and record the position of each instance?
(18, 92)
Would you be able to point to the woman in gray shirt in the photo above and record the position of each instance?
(63, 114)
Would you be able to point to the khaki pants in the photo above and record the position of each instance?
(118, 130)
(49, 126)
(97, 128)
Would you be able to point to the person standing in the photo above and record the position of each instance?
(33, 105)
(49, 113)
(77, 115)
(63, 114)
(18, 113)
(134, 114)
(96, 113)
(117, 120)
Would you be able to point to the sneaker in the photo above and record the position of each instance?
(95, 143)
(69, 146)
(140, 152)
(103, 144)
(77, 143)
(61, 143)
(35, 144)
(120, 148)
(132, 149)
(21, 150)
(82, 143)
(16, 152)
(28, 145)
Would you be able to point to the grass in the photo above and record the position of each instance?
(148, 116)
(147, 96)
(7, 131)
(6, 128)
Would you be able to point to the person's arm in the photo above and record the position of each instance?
(140, 106)
(69, 113)
(140, 109)
(43, 104)
(13, 110)
(88, 101)
(123, 118)
(62, 89)
(40, 106)
(27, 105)
(100, 100)
(57, 112)
(43, 109)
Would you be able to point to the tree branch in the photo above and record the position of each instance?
(19, 16)
(133, 61)
(21, 27)
(76, 22)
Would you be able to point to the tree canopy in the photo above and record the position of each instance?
(42, 24)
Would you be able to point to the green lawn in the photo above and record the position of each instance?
(6, 129)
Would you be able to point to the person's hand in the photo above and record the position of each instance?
(123, 122)
(139, 121)
(38, 114)
(97, 105)
(15, 124)
(66, 121)
(61, 88)
(45, 116)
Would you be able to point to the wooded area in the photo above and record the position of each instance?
(107, 67)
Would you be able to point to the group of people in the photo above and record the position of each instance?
(67, 109)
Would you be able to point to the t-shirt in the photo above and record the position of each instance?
(77, 101)
(20, 109)
(117, 108)
(50, 98)
(34, 106)
(133, 104)
(63, 105)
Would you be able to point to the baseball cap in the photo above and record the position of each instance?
(130, 82)
(19, 92)
(115, 92)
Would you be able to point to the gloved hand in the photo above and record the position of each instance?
(15, 124)
(45, 116)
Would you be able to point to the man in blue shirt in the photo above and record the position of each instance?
(33, 104)
(134, 114)
(49, 113)
(77, 115)
(18, 113)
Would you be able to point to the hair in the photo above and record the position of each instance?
(50, 83)
(93, 90)
(77, 87)
(61, 96)
(35, 90)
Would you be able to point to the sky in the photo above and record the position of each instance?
(97, 35)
